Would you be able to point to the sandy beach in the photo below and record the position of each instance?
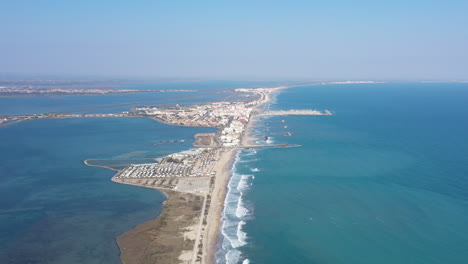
(174, 228)
(217, 205)
(247, 138)
(210, 239)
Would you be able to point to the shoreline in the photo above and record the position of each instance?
(205, 243)
(215, 228)
(214, 219)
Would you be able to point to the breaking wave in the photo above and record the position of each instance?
(236, 212)
(270, 140)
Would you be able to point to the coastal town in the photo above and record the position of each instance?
(190, 163)
(204, 170)
(233, 132)
(198, 175)
(27, 87)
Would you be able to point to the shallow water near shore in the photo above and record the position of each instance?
(55, 209)
(383, 180)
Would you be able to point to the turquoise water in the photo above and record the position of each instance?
(384, 180)
(53, 208)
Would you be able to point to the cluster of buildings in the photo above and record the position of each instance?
(218, 114)
(33, 90)
(157, 170)
(231, 117)
(190, 163)
(232, 133)
(4, 120)
(7, 120)
(53, 115)
(15, 87)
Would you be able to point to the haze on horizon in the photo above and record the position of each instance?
(237, 39)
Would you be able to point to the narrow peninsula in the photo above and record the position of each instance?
(195, 180)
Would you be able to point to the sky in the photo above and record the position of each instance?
(243, 39)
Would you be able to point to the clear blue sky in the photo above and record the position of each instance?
(244, 39)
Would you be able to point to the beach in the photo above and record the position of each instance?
(187, 241)
(220, 189)
(217, 206)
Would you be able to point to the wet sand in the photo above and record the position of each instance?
(222, 180)
(217, 205)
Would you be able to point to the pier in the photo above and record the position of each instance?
(268, 146)
(294, 112)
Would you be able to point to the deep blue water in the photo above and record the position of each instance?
(55, 209)
(383, 180)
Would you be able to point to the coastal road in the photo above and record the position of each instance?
(200, 225)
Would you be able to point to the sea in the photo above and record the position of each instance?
(54, 208)
(382, 180)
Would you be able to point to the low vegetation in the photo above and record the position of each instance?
(162, 240)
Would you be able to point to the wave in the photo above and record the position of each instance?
(250, 152)
(241, 210)
(243, 183)
(235, 214)
(237, 210)
(270, 140)
(242, 236)
(233, 256)
(247, 160)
